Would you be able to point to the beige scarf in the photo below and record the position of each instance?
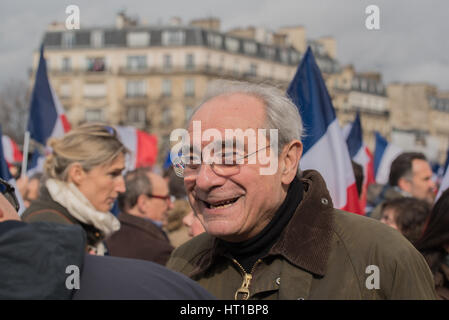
(69, 196)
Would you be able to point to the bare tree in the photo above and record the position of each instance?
(14, 106)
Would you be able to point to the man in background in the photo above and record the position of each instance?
(143, 210)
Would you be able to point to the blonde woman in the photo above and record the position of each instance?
(83, 177)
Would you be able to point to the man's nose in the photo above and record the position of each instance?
(207, 178)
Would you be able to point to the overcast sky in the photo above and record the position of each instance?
(412, 43)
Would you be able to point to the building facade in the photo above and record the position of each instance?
(152, 77)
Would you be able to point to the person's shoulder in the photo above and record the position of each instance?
(367, 242)
(362, 233)
(104, 278)
(47, 212)
(185, 255)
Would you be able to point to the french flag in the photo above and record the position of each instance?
(6, 175)
(11, 151)
(360, 154)
(325, 148)
(143, 147)
(445, 181)
(47, 118)
(384, 154)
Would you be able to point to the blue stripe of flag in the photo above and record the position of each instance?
(354, 140)
(43, 114)
(309, 93)
(381, 145)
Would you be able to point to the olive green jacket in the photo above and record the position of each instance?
(323, 253)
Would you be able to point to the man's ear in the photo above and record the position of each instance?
(76, 174)
(290, 156)
(404, 184)
(141, 203)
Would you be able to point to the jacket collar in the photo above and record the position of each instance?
(145, 225)
(306, 241)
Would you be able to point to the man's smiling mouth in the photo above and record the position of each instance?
(220, 204)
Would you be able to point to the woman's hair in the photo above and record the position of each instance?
(436, 232)
(410, 216)
(90, 145)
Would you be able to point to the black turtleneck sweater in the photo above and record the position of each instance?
(249, 251)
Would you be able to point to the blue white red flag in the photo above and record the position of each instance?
(143, 147)
(325, 148)
(47, 118)
(11, 151)
(384, 154)
(6, 175)
(445, 181)
(360, 154)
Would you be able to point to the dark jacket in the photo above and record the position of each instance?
(139, 238)
(323, 253)
(45, 209)
(34, 260)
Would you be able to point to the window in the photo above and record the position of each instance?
(97, 39)
(94, 90)
(94, 115)
(166, 88)
(189, 87)
(138, 39)
(232, 44)
(215, 40)
(173, 38)
(66, 64)
(135, 88)
(189, 112)
(65, 90)
(236, 67)
(269, 52)
(295, 57)
(363, 84)
(136, 62)
(250, 47)
(190, 61)
(68, 39)
(167, 62)
(95, 64)
(284, 56)
(166, 117)
(136, 114)
(253, 69)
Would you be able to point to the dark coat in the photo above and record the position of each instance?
(139, 238)
(323, 253)
(45, 209)
(34, 260)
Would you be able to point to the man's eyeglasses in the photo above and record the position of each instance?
(9, 192)
(170, 198)
(223, 163)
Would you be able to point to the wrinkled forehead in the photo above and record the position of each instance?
(235, 111)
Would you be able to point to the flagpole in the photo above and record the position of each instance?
(26, 143)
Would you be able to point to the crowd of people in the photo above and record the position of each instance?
(223, 230)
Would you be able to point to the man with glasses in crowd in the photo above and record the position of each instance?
(275, 234)
(143, 213)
